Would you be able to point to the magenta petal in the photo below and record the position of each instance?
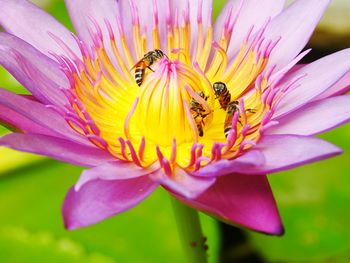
(244, 200)
(223, 167)
(319, 76)
(56, 148)
(28, 22)
(294, 25)
(253, 13)
(36, 72)
(98, 200)
(316, 117)
(283, 152)
(29, 115)
(18, 122)
(183, 183)
(117, 170)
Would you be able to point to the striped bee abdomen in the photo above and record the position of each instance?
(139, 73)
(232, 108)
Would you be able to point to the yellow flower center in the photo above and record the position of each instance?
(174, 116)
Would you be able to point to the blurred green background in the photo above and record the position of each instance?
(313, 200)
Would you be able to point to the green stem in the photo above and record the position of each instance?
(189, 227)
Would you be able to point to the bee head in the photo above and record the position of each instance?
(158, 53)
(201, 94)
(219, 88)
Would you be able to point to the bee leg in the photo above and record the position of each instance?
(227, 131)
(239, 121)
(150, 69)
(200, 132)
(251, 110)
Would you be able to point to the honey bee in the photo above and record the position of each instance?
(199, 113)
(146, 62)
(232, 108)
(222, 94)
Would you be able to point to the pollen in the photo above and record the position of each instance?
(152, 99)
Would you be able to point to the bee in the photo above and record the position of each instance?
(199, 113)
(232, 108)
(222, 94)
(146, 62)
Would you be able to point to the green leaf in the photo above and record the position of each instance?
(11, 160)
(217, 7)
(43, 246)
(30, 205)
(314, 204)
(10, 83)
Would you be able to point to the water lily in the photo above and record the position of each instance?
(87, 109)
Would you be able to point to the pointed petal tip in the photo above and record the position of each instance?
(277, 230)
(71, 225)
(281, 231)
(271, 226)
(270, 230)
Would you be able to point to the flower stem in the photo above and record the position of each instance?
(190, 232)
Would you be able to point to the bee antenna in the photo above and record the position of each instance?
(166, 56)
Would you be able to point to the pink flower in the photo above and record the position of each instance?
(87, 108)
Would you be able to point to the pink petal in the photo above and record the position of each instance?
(319, 76)
(195, 14)
(315, 117)
(253, 13)
(28, 115)
(251, 158)
(98, 200)
(295, 26)
(28, 22)
(146, 14)
(117, 170)
(36, 72)
(83, 12)
(283, 152)
(241, 200)
(167, 13)
(183, 183)
(341, 87)
(273, 153)
(56, 148)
